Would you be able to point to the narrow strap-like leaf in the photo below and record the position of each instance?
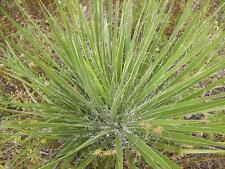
(85, 162)
(150, 155)
(119, 153)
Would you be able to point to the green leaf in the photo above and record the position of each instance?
(119, 152)
(150, 155)
(80, 147)
(85, 162)
(131, 160)
(201, 151)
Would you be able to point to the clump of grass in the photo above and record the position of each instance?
(109, 90)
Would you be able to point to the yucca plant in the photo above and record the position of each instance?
(108, 91)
